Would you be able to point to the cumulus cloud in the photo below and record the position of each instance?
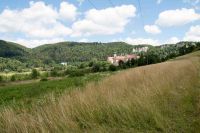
(31, 43)
(136, 41)
(177, 17)
(152, 29)
(104, 22)
(68, 11)
(38, 21)
(193, 34)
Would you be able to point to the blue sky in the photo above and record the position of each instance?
(32, 23)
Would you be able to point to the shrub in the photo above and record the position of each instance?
(69, 70)
(128, 63)
(1, 78)
(82, 65)
(76, 73)
(34, 74)
(122, 65)
(112, 67)
(96, 68)
(54, 73)
(44, 79)
(134, 62)
(91, 64)
(13, 78)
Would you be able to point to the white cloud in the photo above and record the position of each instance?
(159, 1)
(177, 17)
(172, 40)
(136, 41)
(84, 40)
(31, 43)
(153, 29)
(38, 21)
(193, 34)
(67, 11)
(104, 22)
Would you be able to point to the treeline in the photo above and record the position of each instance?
(7, 65)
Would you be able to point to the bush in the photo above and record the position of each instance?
(82, 65)
(122, 65)
(1, 78)
(96, 68)
(44, 79)
(35, 74)
(128, 63)
(76, 73)
(13, 78)
(54, 73)
(133, 62)
(112, 67)
(91, 64)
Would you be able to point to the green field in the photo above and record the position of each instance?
(28, 93)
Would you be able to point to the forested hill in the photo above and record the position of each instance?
(13, 50)
(74, 51)
(78, 52)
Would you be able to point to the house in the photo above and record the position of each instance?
(64, 63)
(116, 59)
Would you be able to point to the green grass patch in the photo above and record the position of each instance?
(28, 93)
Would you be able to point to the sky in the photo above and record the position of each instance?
(155, 22)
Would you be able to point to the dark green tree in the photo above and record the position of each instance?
(122, 65)
(54, 73)
(35, 74)
(112, 67)
(96, 68)
(1, 78)
(13, 78)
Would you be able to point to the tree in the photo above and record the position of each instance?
(54, 73)
(133, 62)
(128, 63)
(1, 78)
(96, 68)
(13, 78)
(112, 67)
(122, 65)
(34, 74)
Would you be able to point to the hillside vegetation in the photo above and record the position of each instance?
(157, 98)
(74, 53)
(12, 50)
(79, 52)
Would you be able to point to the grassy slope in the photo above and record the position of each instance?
(157, 98)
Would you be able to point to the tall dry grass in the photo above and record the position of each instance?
(156, 98)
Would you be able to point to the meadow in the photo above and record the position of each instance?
(163, 97)
(25, 93)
